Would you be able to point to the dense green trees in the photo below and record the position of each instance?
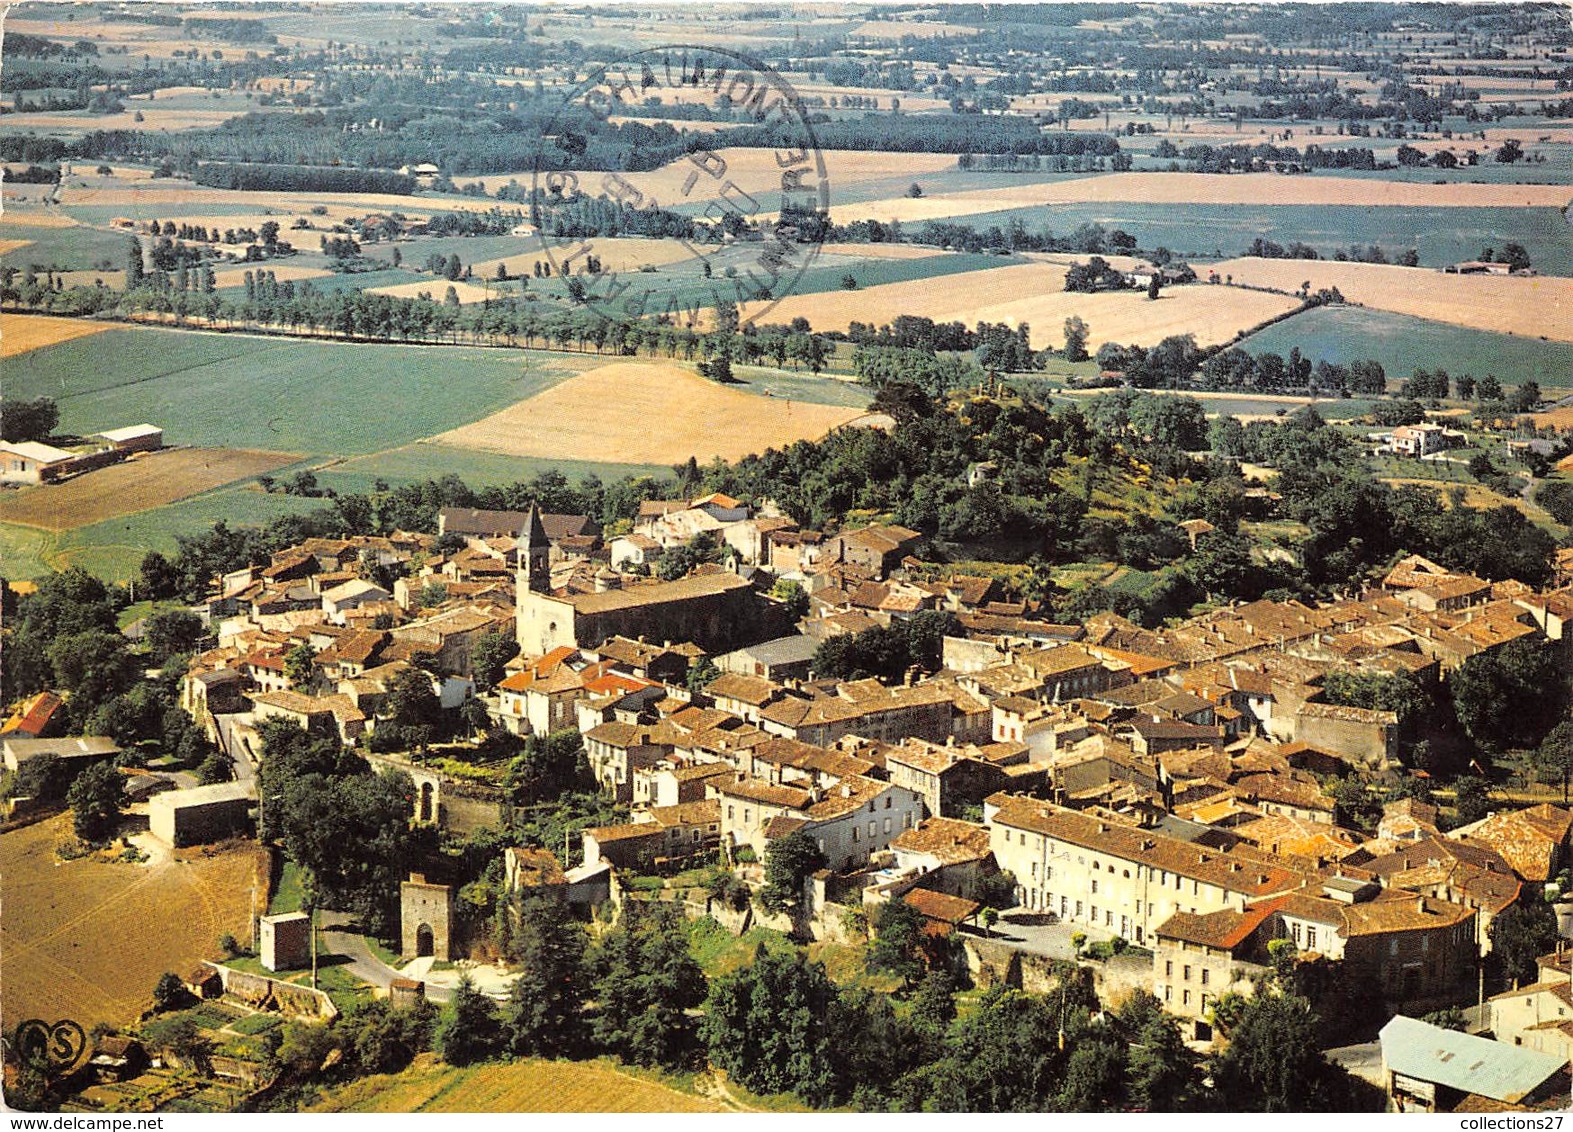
(545, 1005)
(28, 420)
(1512, 696)
(346, 825)
(96, 797)
(468, 1030)
(768, 1025)
(789, 862)
(1519, 936)
(1272, 1063)
(646, 987)
(887, 652)
(489, 656)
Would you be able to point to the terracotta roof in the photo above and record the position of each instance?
(940, 906)
(33, 716)
(707, 812)
(753, 690)
(1251, 873)
(536, 868)
(1225, 929)
(948, 840)
(658, 593)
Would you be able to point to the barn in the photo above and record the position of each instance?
(201, 814)
(134, 438)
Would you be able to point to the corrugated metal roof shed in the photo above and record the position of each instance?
(1463, 1061)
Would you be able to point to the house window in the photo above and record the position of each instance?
(887, 825)
(1185, 998)
(1206, 975)
(873, 828)
(1095, 888)
(887, 801)
(1310, 936)
(857, 834)
(1187, 972)
(1297, 935)
(1168, 968)
(1392, 946)
(1034, 870)
(1168, 993)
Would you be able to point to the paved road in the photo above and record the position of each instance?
(363, 963)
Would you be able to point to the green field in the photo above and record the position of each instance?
(358, 413)
(1201, 231)
(114, 548)
(291, 395)
(1402, 343)
(68, 249)
(425, 460)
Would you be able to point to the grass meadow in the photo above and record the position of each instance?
(284, 394)
(1202, 231)
(1402, 343)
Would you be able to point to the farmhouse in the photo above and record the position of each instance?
(1421, 439)
(32, 462)
(202, 814)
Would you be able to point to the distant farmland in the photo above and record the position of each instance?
(1401, 343)
(136, 485)
(246, 391)
(647, 413)
(1530, 306)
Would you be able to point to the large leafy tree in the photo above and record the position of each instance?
(1512, 696)
(96, 799)
(647, 983)
(544, 1016)
(1272, 1063)
(789, 861)
(489, 657)
(767, 1025)
(898, 941)
(1519, 936)
(172, 632)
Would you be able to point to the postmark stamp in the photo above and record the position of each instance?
(58, 1046)
(743, 221)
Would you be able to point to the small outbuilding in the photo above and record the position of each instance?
(201, 814)
(134, 438)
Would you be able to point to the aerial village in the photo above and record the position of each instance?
(1171, 809)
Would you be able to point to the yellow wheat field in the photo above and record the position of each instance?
(429, 1085)
(646, 413)
(944, 299)
(1198, 188)
(616, 253)
(880, 251)
(20, 333)
(1035, 293)
(235, 276)
(1533, 305)
(437, 289)
(1212, 314)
